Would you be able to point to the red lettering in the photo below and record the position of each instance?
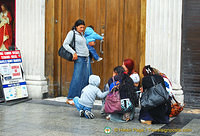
(14, 67)
(16, 74)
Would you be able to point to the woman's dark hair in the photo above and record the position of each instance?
(147, 70)
(77, 23)
(119, 70)
(126, 88)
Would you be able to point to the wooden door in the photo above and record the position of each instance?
(123, 24)
(93, 13)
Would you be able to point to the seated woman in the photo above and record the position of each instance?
(128, 65)
(127, 95)
(159, 114)
(117, 71)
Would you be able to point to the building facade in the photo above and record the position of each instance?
(148, 31)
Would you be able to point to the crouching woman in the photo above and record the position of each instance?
(128, 100)
(159, 114)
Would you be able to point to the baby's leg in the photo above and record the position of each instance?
(93, 52)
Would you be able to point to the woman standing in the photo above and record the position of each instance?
(81, 61)
(5, 28)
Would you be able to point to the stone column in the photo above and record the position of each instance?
(163, 40)
(30, 40)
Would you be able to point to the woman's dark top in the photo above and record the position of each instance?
(147, 81)
(126, 89)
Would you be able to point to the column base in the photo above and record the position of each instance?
(179, 95)
(37, 89)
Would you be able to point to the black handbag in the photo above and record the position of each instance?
(66, 54)
(154, 96)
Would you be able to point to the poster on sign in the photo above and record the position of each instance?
(16, 71)
(11, 70)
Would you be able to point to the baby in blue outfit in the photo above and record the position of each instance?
(92, 36)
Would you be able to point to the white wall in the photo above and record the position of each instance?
(30, 39)
(163, 39)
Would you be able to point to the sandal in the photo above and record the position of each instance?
(70, 102)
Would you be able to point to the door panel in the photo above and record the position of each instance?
(111, 44)
(132, 31)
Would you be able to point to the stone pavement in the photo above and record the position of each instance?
(55, 118)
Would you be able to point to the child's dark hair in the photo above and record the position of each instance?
(91, 26)
(119, 70)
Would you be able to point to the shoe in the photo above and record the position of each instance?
(108, 117)
(99, 59)
(148, 122)
(81, 113)
(89, 114)
(70, 102)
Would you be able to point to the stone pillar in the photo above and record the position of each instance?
(30, 40)
(163, 40)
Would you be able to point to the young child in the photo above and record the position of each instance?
(136, 83)
(92, 36)
(136, 79)
(85, 103)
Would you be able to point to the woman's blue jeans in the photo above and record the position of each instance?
(80, 76)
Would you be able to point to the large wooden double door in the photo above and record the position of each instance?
(121, 21)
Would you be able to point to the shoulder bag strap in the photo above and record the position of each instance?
(153, 80)
(113, 84)
(74, 41)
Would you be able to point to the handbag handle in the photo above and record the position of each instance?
(116, 86)
(174, 99)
